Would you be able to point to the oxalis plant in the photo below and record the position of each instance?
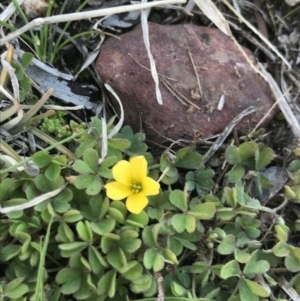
(119, 224)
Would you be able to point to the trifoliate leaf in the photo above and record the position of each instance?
(75, 246)
(241, 256)
(158, 263)
(7, 187)
(107, 283)
(130, 245)
(53, 171)
(174, 245)
(14, 292)
(104, 226)
(141, 284)
(132, 271)
(94, 186)
(230, 269)
(257, 289)
(282, 232)
(149, 236)
(45, 185)
(203, 211)
(116, 214)
(96, 260)
(83, 231)
(204, 182)
(263, 156)
(139, 220)
(246, 294)
(149, 258)
(82, 167)
(169, 256)
(232, 154)
(188, 158)
(247, 149)
(255, 266)
(65, 233)
(236, 173)
(179, 199)
(179, 222)
(187, 244)
(247, 153)
(199, 267)
(225, 214)
(227, 246)
(41, 159)
(281, 249)
(190, 223)
(108, 241)
(177, 289)
(105, 170)
(116, 258)
(136, 140)
(292, 264)
(26, 59)
(119, 143)
(72, 216)
(230, 197)
(96, 126)
(9, 251)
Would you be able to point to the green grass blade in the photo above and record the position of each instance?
(39, 289)
(33, 36)
(63, 32)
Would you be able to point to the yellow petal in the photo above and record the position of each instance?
(117, 191)
(136, 203)
(138, 167)
(122, 174)
(150, 187)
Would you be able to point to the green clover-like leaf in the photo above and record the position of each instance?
(232, 154)
(230, 269)
(188, 158)
(263, 156)
(227, 246)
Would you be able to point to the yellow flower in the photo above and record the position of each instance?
(132, 182)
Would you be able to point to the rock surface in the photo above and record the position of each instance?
(221, 68)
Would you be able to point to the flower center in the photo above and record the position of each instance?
(136, 187)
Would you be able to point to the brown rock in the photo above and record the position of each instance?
(221, 67)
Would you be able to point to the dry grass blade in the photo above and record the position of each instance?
(226, 132)
(34, 109)
(213, 14)
(291, 292)
(10, 161)
(119, 125)
(33, 202)
(268, 112)
(9, 151)
(52, 141)
(282, 103)
(11, 110)
(144, 17)
(85, 15)
(9, 11)
(104, 149)
(12, 74)
(56, 107)
(16, 108)
(4, 74)
(266, 41)
(254, 41)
